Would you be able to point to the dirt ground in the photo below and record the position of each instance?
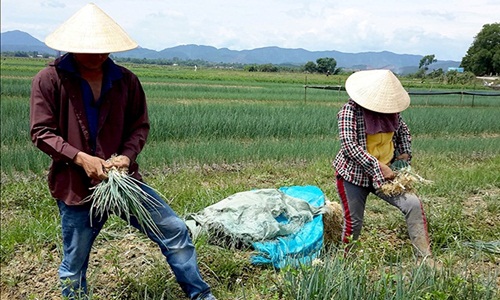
(34, 276)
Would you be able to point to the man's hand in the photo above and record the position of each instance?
(93, 165)
(387, 172)
(120, 161)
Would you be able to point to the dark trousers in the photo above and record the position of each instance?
(353, 201)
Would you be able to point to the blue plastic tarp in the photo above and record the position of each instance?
(300, 247)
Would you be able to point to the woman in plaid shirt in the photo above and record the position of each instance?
(372, 136)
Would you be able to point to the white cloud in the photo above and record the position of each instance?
(445, 28)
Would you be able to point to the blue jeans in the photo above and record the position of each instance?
(175, 244)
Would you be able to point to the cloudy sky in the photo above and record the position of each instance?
(445, 28)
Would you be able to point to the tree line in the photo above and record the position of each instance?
(482, 58)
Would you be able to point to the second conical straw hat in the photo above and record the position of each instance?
(377, 90)
(90, 30)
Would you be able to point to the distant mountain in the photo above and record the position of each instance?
(21, 41)
(399, 63)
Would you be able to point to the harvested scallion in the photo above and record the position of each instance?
(122, 195)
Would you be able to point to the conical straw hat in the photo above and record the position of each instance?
(90, 30)
(377, 90)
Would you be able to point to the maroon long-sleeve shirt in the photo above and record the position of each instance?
(59, 125)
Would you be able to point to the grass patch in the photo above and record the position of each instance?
(219, 132)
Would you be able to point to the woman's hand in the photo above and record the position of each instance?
(387, 172)
(404, 156)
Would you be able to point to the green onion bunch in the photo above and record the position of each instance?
(121, 194)
(404, 182)
(490, 247)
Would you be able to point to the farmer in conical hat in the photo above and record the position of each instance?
(84, 109)
(373, 136)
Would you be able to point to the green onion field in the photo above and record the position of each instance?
(216, 132)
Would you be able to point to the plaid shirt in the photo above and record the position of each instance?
(353, 162)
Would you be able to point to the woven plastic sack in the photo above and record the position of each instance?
(300, 247)
(283, 225)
